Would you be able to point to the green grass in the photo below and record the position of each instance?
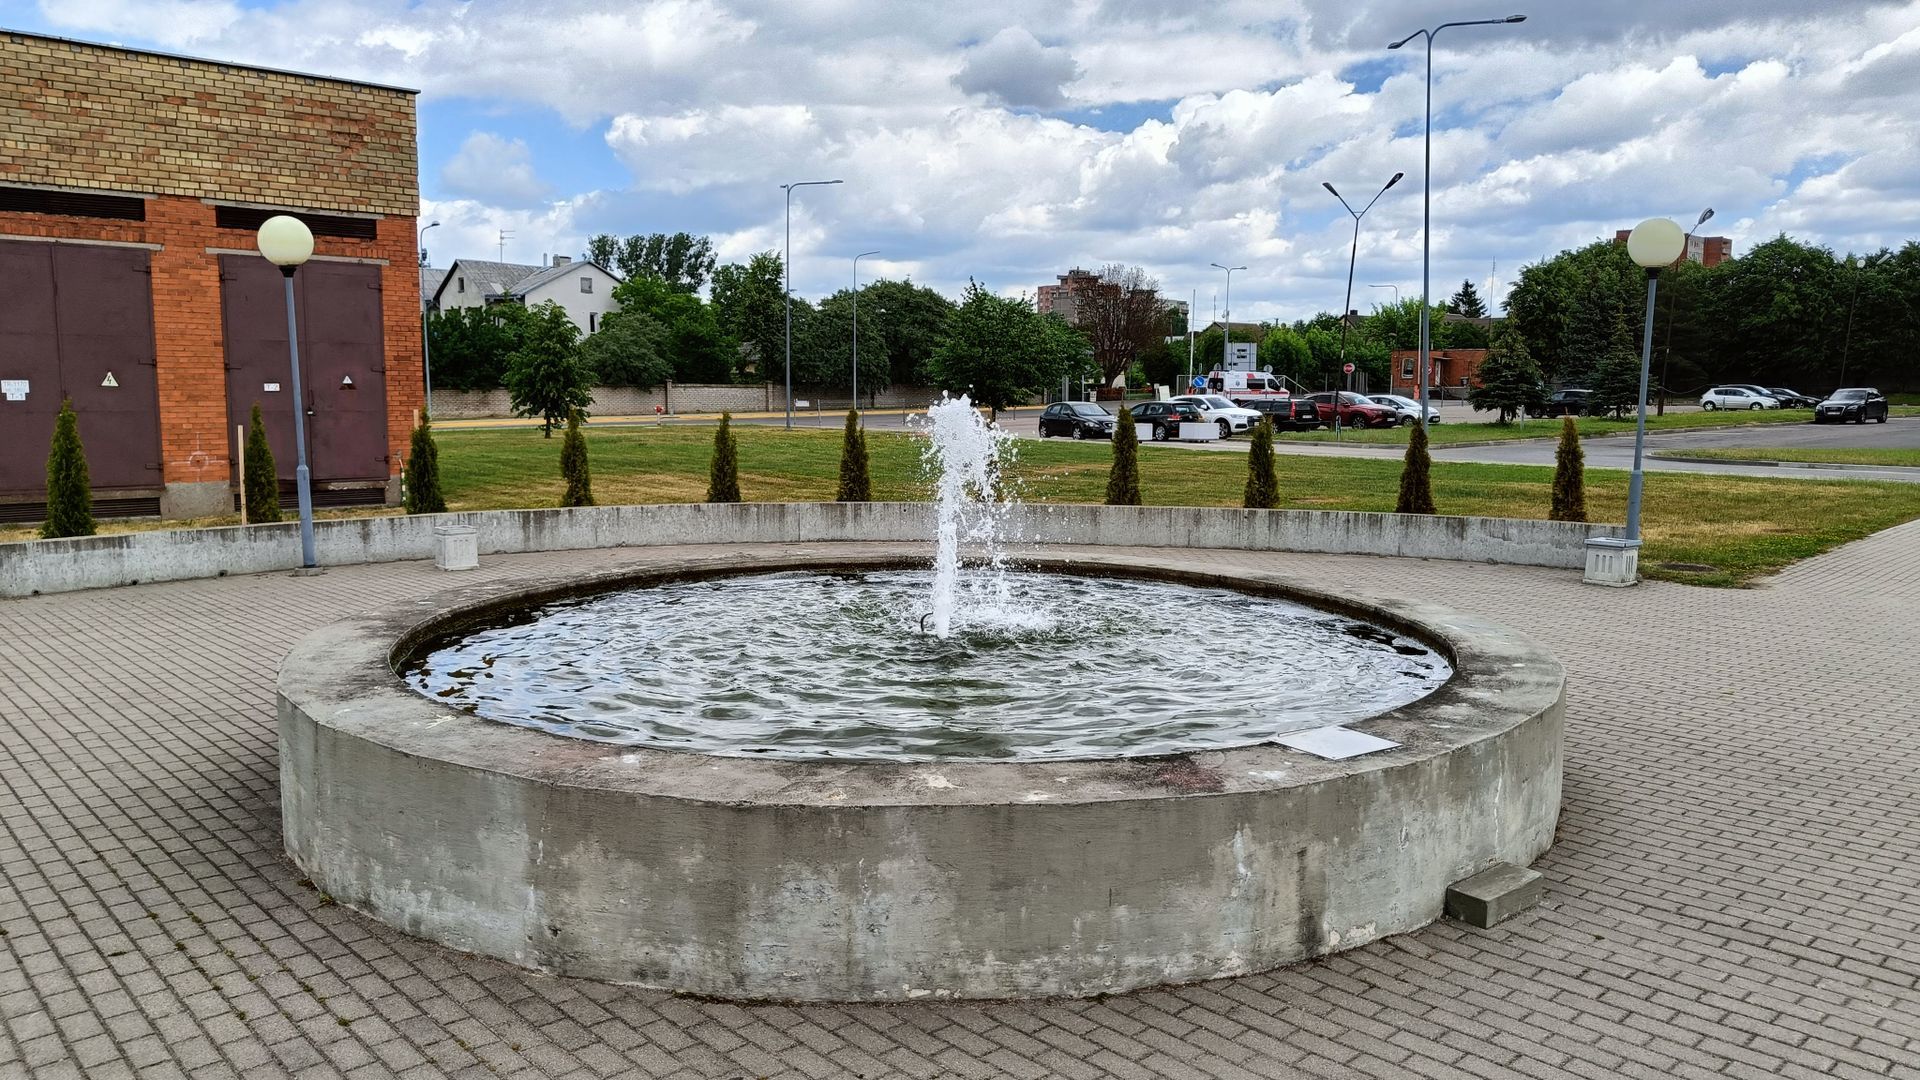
(1826, 454)
(1742, 527)
(1449, 434)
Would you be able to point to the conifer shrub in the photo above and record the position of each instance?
(1263, 487)
(1123, 480)
(69, 493)
(1416, 480)
(423, 472)
(723, 474)
(261, 486)
(1569, 475)
(855, 483)
(573, 464)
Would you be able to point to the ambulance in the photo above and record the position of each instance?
(1246, 384)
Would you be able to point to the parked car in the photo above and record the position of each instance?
(1218, 410)
(1569, 402)
(1736, 397)
(1287, 413)
(1080, 419)
(1858, 404)
(1792, 399)
(1407, 409)
(1354, 410)
(1163, 418)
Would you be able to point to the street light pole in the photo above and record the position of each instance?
(1353, 259)
(1654, 243)
(1426, 199)
(426, 361)
(1226, 316)
(1666, 355)
(1396, 292)
(856, 325)
(286, 242)
(787, 266)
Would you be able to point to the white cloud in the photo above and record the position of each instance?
(489, 167)
(1212, 126)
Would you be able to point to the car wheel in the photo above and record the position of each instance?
(1226, 430)
(1862, 418)
(1881, 419)
(1709, 406)
(1755, 407)
(1406, 421)
(1043, 431)
(1079, 432)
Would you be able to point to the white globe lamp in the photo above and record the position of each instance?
(285, 241)
(1656, 242)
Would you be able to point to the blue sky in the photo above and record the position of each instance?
(1008, 143)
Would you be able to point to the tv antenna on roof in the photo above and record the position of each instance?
(505, 235)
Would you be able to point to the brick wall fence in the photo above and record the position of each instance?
(681, 398)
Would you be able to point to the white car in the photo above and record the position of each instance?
(1736, 397)
(1218, 410)
(1408, 408)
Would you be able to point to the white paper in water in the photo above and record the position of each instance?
(1335, 743)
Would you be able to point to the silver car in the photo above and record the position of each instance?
(1408, 408)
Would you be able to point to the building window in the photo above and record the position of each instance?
(459, 284)
(593, 319)
(586, 284)
(1406, 368)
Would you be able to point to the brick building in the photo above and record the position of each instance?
(1453, 372)
(131, 184)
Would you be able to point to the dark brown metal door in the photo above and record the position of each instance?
(29, 354)
(104, 310)
(73, 315)
(342, 363)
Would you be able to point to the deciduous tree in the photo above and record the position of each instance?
(748, 305)
(1000, 352)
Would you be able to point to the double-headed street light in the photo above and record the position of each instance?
(1654, 243)
(287, 243)
(1226, 316)
(1426, 198)
(1666, 357)
(787, 260)
(856, 325)
(1353, 257)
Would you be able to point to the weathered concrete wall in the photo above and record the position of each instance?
(49, 566)
(871, 881)
(682, 398)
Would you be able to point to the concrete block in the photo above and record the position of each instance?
(1494, 895)
(456, 547)
(1613, 561)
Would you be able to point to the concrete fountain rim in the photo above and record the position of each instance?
(342, 677)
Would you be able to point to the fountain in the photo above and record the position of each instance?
(840, 775)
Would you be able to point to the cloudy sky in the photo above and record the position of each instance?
(1009, 141)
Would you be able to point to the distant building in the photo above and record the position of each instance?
(583, 289)
(1453, 371)
(1705, 250)
(1068, 298)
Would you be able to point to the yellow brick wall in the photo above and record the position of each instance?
(92, 116)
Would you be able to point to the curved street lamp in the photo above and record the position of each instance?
(426, 362)
(1226, 316)
(1654, 243)
(787, 266)
(1666, 355)
(1426, 199)
(287, 243)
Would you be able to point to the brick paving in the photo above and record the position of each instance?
(1735, 891)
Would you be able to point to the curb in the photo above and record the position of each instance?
(1836, 466)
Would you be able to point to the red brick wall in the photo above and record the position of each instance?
(189, 346)
(1449, 367)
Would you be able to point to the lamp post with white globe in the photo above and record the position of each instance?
(1654, 243)
(287, 243)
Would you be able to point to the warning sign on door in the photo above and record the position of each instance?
(109, 380)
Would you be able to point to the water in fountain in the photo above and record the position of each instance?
(965, 453)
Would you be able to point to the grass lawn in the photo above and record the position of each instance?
(1448, 434)
(1830, 454)
(1742, 527)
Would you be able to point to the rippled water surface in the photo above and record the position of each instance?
(834, 665)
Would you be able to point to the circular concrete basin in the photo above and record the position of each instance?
(875, 881)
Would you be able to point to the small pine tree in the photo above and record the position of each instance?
(1263, 488)
(855, 484)
(1416, 480)
(423, 473)
(1569, 476)
(1508, 381)
(1123, 480)
(573, 464)
(723, 475)
(261, 486)
(69, 493)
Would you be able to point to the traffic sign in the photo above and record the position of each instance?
(1348, 369)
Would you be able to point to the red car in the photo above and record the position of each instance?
(1355, 411)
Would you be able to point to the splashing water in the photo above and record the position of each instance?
(965, 453)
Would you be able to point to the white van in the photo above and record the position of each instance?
(1246, 384)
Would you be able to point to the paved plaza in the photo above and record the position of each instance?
(1735, 891)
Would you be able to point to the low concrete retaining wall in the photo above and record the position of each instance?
(879, 881)
(684, 398)
(50, 566)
